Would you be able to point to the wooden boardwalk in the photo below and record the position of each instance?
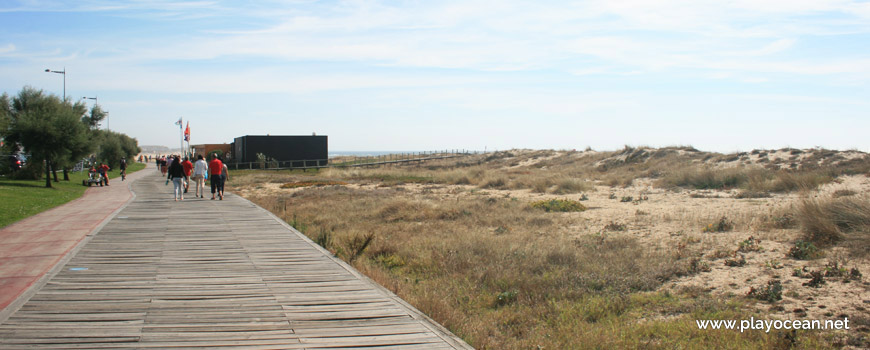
(212, 274)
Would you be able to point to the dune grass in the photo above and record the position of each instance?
(830, 220)
(503, 275)
(20, 199)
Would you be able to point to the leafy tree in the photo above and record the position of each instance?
(5, 147)
(130, 146)
(110, 148)
(5, 106)
(94, 117)
(76, 152)
(49, 129)
(113, 146)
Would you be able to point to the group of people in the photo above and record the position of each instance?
(180, 172)
(101, 172)
(161, 163)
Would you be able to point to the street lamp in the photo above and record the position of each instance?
(64, 78)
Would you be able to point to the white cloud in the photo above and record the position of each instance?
(742, 40)
(9, 48)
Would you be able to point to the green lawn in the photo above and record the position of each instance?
(23, 198)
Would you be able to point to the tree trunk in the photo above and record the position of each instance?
(65, 174)
(47, 173)
(54, 171)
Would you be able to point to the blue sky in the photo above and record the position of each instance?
(424, 75)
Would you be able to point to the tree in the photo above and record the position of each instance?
(5, 106)
(76, 152)
(113, 146)
(95, 117)
(49, 129)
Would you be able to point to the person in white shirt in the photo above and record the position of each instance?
(200, 169)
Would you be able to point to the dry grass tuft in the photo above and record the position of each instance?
(826, 221)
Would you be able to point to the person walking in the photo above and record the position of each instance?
(163, 164)
(214, 173)
(188, 166)
(200, 171)
(176, 174)
(225, 175)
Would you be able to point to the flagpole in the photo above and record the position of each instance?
(187, 138)
(181, 134)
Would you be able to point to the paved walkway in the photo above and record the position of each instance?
(31, 247)
(211, 274)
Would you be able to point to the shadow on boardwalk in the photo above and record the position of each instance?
(203, 273)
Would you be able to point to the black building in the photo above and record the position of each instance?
(304, 150)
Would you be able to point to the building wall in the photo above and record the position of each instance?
(281, 148)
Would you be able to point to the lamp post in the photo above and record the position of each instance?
(64, 78)
(181, 136)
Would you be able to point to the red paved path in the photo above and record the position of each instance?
(31, 247)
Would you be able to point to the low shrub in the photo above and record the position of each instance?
(614, 226)
(817, 279)
(770, 293)
(723, 225)
(389, 261)
(505, 298)
(804, 250)
(696, 265)
(751, 244)
(559, 205)
(737, 261)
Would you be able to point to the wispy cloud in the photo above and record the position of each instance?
(592, 60)
(5, 50)
(636, 35)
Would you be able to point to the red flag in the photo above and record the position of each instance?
(187, 132)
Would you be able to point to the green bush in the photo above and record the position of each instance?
(804, 250)
(770, 293)
(505, 298)
(559, 205)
